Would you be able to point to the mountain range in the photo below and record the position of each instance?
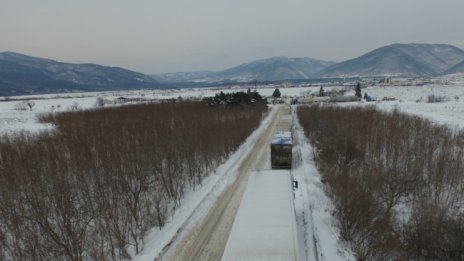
(22, 74)
(272, 69)
(409, 60)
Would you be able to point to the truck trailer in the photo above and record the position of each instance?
(265, 225)
(281, 150)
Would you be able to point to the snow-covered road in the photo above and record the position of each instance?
(318, 233)
(207, 239)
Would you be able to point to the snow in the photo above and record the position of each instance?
(283, 138)
(264, 228)
(12, 121)
(413, 100)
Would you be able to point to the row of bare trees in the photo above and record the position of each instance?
(397, 181)
(93, 188)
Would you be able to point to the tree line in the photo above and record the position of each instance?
(94, 186)
(397, 181)
(235, 99)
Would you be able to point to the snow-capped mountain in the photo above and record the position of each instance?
(22, 74)
(272, 69)
(399, 60)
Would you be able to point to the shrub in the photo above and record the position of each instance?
(24, 105)
(432, 98)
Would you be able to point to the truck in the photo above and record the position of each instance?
(281, 150)
(265, 225)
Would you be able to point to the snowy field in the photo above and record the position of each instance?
(414, 100)
(409, 99)
(13, 120)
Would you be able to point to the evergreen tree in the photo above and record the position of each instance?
(358, 90)
(276, 93)
(321, 92)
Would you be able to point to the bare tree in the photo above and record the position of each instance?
(30, 104)
(94, 188)
(376, 170)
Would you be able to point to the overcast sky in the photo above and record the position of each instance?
(157, 36)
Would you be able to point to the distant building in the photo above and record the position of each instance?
(388, 81)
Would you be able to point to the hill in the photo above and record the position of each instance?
(272, 69)
(22, 74)
(409, 60)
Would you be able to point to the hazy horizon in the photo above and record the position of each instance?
(158, 36)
